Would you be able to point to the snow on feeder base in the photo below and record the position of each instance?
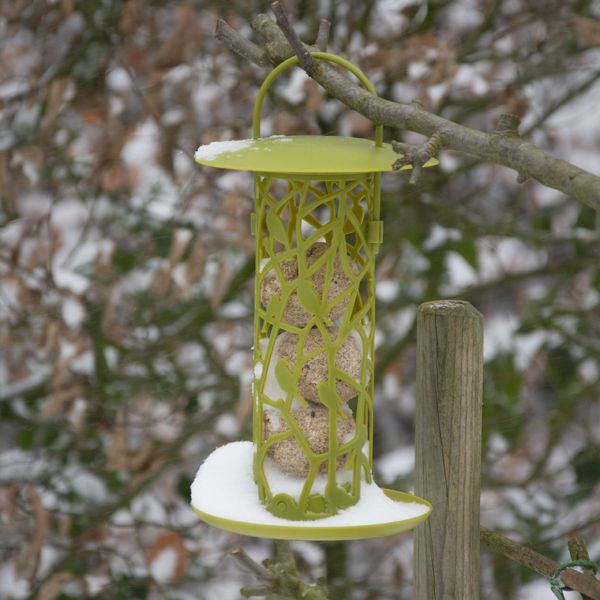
(307, 474)
(224, 495)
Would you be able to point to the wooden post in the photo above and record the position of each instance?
(448, 449)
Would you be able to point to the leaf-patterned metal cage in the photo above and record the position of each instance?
(314, 310)
(316, 240)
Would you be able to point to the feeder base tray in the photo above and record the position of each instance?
(224, 495)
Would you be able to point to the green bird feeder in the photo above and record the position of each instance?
(308, 472)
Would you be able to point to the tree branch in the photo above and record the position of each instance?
(261, 573)
(307, 62)
(240, 45)
(578, 551)
(323, 35)
(251, 591)
(279, 577)
(584, 584)
(416, 156)
(510, 151)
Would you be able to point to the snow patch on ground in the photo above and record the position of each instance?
(11, 582)
(397, 463)
(163, 566)
(72, 312)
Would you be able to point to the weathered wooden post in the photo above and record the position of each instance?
(448, 449)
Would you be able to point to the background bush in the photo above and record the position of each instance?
(126, 281)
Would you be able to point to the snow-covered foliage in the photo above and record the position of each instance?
(126, 279)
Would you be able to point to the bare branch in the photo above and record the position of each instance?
(323, 35)
(584, 584)
(251, 591)
(578, 551)
(240, 45)
(415, 174)
(279, 577)
(416, 156)
(508, 124)
(307, 62)
(285, 556)
(254, 567)
(510, 151)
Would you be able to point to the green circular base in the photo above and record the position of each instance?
(320, 533)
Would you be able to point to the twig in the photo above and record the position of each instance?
(323, 35)
(240, 45)
(150, 107)
(241, 556)
(279, 577)
(285, 556)
(584, 584)
(510, 151)
(471, 41)
(254, 590)
(578, 551)
(102, 513)
(508, 124)
(307, 62)
(571, 94)
(581, 526)
(416, 156)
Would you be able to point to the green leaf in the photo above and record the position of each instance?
(586, 218)
(50, 436)
(502, 409)
(285, 377)
(273, 308)
(327, 395)
(124, 261)
(562, 366)
(183, 486)
(26, 436)
(587, 470)
(339, 497)
(316, 504)
(308, 298)
(162, 241)
(276, 227)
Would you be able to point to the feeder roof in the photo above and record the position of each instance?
(302, 154)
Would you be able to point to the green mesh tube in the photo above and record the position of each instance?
(316, 241)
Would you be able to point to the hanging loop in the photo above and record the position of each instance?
(294, 60)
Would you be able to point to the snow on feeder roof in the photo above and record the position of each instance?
(307, 473)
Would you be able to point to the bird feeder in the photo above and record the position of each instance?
(308, 472)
